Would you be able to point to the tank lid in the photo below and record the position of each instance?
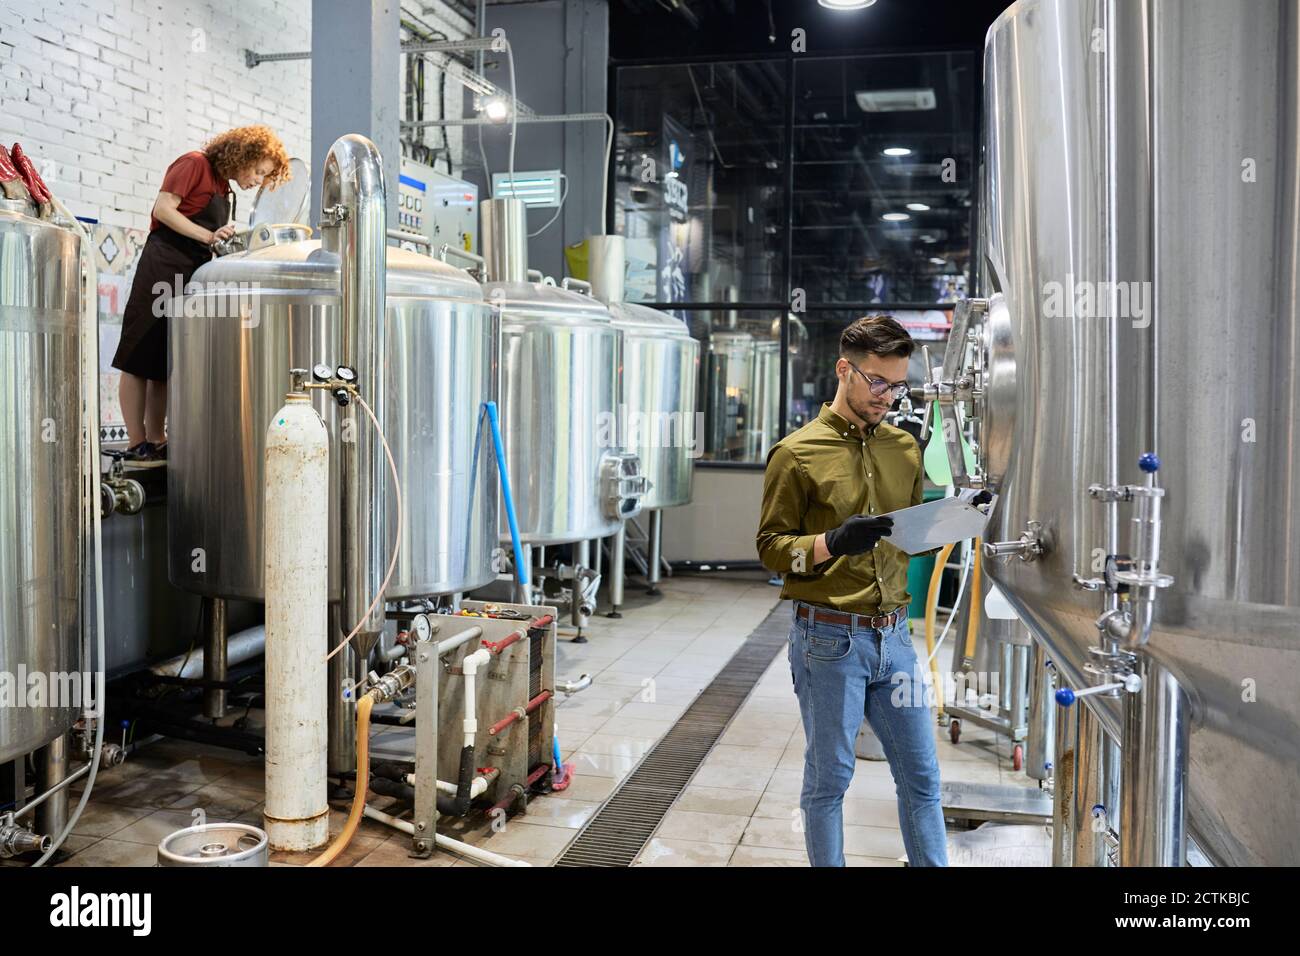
(306, 266)
(286, 203)
(646, 321)
(545, 299)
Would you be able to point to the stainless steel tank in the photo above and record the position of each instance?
(1152, 142)
(660, 369)
(254, 315)
(765, 398)
(40, 472)
(742, 377)
(559, 409)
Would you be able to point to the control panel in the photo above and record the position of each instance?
(438, 207)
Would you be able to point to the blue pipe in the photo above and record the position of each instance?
(521, 569)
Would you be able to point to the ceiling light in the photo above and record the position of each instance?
(918, 207)
(895, 217)
(895, 101)
(939, 262)
(896, 151)
(496, 109)
(846, 4)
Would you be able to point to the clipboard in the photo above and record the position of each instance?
(931, 525)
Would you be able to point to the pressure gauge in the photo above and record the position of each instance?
(420, 625)
(321, 373)
(347, 375)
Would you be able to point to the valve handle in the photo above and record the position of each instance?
(1065, 697)
(1149, 462)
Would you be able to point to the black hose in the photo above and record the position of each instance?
(406, 793)
(390, 769)
(465, 783)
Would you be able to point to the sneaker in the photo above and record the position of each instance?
(139, 452)
(158, 453)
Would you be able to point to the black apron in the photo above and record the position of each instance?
(168, 259)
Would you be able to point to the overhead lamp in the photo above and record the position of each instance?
(918, 207)
(938, 262)
(496, 109)
(896, 151)
(846, 4)
(895, 217)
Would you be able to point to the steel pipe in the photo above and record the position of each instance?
(1153, 779)
(505, 239)
(353, 204)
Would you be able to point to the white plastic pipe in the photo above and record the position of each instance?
(447, 843)
(469, 666)
(476, 789)
(297, 618)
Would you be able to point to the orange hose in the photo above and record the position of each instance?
(931, 607)
(341, 841)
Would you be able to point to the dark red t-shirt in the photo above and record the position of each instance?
(193, 179)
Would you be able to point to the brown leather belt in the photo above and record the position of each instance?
(824, 615)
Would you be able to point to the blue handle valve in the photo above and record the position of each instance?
(1149, 462)
(1065, 697)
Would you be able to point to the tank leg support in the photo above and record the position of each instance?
(617, 561)
(214, 658)
(52, 766)
(654, 551)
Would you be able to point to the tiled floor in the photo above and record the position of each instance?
(739, 810)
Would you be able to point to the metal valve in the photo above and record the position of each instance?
(1027, 547)
(1131, 683)
(1135, 576)
(15, 839)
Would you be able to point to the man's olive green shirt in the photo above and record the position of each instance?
(818, 476)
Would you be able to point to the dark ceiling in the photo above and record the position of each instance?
(676, 29)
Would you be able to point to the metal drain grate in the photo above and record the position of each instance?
(627, 821)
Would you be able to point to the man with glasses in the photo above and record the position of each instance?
(826, 489)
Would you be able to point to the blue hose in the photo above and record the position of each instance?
(521, 569)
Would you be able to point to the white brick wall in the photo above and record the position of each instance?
(104, 94)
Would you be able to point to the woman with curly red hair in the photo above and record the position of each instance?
(192, 212)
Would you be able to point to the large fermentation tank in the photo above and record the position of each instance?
(255, 315)
(1154, 143)
(742, 378)
(660, 370)
(40, 474)
(559, 409)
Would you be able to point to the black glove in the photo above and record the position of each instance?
(858, 534)
(983, 498)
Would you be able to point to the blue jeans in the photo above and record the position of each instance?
(840, 675)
